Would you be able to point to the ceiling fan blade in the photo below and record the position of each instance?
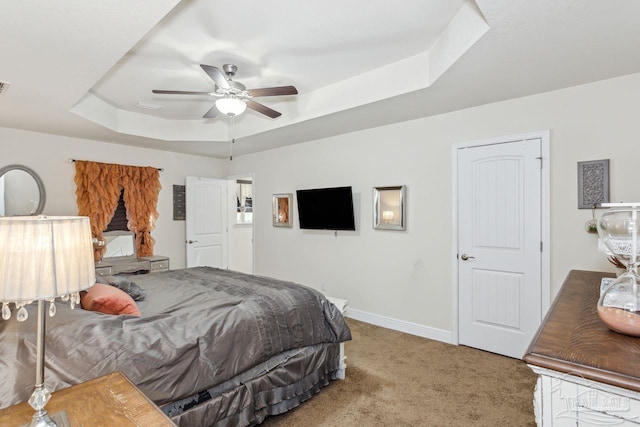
(216, 75)
(213, 112)
(262, 109)
(273, 91)
(179, 92)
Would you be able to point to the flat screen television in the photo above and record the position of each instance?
(326, 209)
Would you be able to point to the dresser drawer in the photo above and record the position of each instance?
(104, 271)
(162, 265)
(602, 405)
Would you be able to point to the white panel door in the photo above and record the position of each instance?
(206, 200)
(499, 249)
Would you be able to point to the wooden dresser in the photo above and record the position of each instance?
(111, 400)
(588, 374)
(152, 264)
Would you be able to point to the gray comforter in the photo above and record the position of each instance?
(199, 327)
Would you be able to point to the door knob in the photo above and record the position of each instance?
(466, 257)
(191, 241)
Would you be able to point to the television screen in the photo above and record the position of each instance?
(326, 209)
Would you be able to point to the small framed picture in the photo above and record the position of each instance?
(593, 183)
(282, 210)
(388, 208)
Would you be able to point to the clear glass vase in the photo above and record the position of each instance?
(619, 303)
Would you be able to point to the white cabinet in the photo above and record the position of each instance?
(588, 374)
(563, 400)
(341, 304)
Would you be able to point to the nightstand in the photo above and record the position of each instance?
(341, 304)
(111, 400)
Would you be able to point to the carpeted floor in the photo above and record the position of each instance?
(396, 379)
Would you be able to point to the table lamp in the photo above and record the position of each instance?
(42, 258)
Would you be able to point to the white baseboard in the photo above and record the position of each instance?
(400, 325)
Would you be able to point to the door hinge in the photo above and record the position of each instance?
(540, 246)
(541, 160)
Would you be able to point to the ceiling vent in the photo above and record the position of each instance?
(4, 86)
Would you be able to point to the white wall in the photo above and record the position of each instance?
(241, 248)
(240, 235)
(48, 156)
(402, 275)
(407, 275)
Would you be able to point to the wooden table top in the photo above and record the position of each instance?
(572, 338)
(111, 400)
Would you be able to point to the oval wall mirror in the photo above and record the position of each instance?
(21, 191)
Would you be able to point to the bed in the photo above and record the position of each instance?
(212, 347)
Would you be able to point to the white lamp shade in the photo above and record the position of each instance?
(230, 106)
(44, 257)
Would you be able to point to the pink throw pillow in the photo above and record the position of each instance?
(108, 299)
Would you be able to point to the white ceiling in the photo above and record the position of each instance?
(78, 67)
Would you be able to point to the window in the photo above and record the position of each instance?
(119, 220)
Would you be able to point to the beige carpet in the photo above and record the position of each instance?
(396, 379)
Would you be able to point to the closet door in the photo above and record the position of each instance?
(499, 244)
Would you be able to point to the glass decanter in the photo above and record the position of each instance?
(619, 303)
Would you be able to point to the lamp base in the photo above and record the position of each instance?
(42, 420)
(60, 419)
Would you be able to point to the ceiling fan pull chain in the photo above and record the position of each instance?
(232, 140)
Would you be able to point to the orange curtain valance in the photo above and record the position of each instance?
(98, 188)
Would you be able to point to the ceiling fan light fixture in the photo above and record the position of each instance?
(234, 96)
(231, 106)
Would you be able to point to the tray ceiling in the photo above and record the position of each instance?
(86, 68)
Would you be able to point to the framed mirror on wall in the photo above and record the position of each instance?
(119, 245)
(281, 206)
(21, 191)
(389, 208)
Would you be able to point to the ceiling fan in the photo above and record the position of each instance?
(234, 97)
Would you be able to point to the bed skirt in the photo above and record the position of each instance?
(271, 388)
